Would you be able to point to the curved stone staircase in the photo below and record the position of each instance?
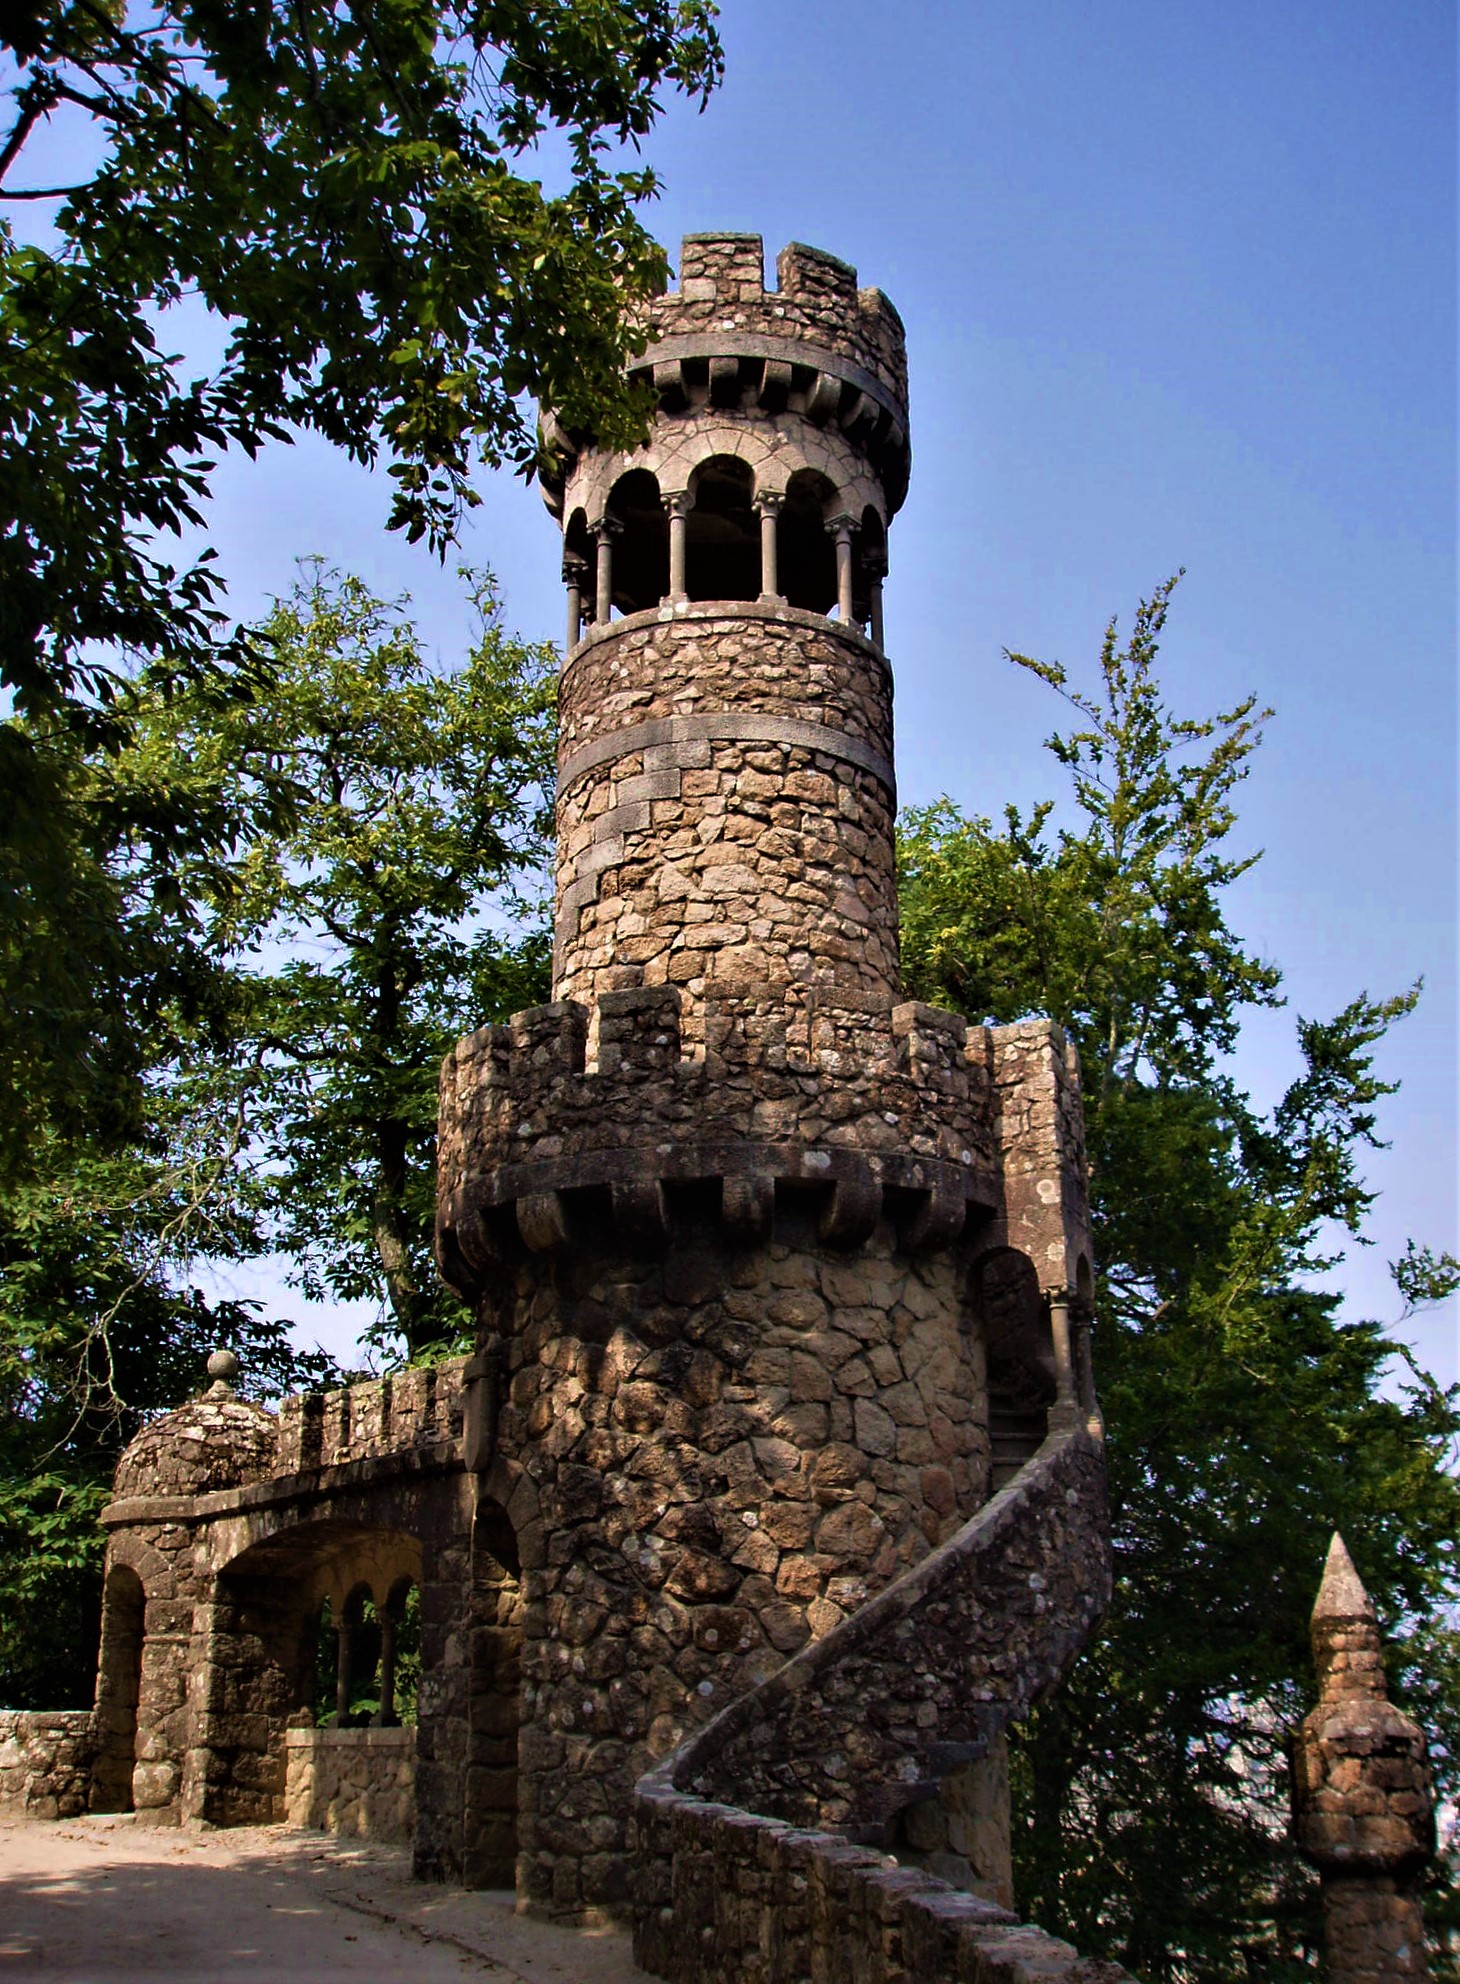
(758, 1842)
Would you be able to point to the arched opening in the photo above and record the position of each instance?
(490, 1844)
(641, 546)
(1020, 1356)
(358, 1660)
(805, 554)
(578, 551)
(400, 1656)
(119, 1689)
(722, 536)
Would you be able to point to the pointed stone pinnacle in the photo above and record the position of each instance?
(1341, 1595)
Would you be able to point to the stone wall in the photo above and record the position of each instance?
(756, 1901)
(725, 798)
(46, 1759)
(737, 1876)
(731, 1446)
(359, 1783)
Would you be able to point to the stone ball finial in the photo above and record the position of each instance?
(223, 1370)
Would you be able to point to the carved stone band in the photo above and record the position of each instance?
(726, 727)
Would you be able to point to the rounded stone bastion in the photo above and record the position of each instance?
(214, 1442)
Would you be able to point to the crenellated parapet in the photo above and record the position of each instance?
(567, 1113)
(377, 1418)
(778, 452)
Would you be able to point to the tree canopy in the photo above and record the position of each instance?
(1247, 1415)
(378, 898)
(344, 194)
(395, 907)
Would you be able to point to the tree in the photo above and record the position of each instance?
(99, 1330)
(378, 899)
(340, 188)
(1244, 1414)
(397, 906)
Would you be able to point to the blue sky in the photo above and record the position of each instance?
(1179, 290)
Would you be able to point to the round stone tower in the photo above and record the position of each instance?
(725, 689)
(773, 1270)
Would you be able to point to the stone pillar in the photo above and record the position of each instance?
(1064, 1355)
(876, 574)
(677, 503)
(769, 506)
(841, 529)
(385, 1716)
(1362, 1803)
(573, 575)
(343, 1675)
(603, 603)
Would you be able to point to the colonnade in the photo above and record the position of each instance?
(388, 1618)
(579, 579)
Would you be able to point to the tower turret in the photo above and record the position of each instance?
(732, 573)
(777, 1275)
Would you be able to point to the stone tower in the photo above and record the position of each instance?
(1363, 1807)
(778, 1276)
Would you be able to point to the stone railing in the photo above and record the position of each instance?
(419, 1408)
(739, 1875)
(46, 1757)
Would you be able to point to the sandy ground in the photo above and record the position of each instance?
(102, 1901)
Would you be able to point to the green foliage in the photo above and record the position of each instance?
(1244, 1415)
(369, 901)
(343, 192)
(98, 1331)
(374, 923)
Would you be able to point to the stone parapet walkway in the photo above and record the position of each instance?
(103, 1901)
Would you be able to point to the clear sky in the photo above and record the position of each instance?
(1179, 290)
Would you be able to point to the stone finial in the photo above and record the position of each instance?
(1347, 1650)
(223, 1370)
(1362, 1803)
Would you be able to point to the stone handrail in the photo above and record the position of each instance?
(739, 1874)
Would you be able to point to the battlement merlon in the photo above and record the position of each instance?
(908, 1112)
(816, 302)
(818, 352)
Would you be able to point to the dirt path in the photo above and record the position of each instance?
(102, 1901)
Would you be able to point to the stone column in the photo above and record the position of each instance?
(343, 1677)
(574, 572)
(678, 504)
(841, 529)
(608, 530)
(876, 573)
(1064, 1357)
(768, 504)
(385, 1716)
(1362, 1804)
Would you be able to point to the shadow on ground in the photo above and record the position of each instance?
(103, 1901)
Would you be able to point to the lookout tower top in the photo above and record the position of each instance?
(778, 455)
